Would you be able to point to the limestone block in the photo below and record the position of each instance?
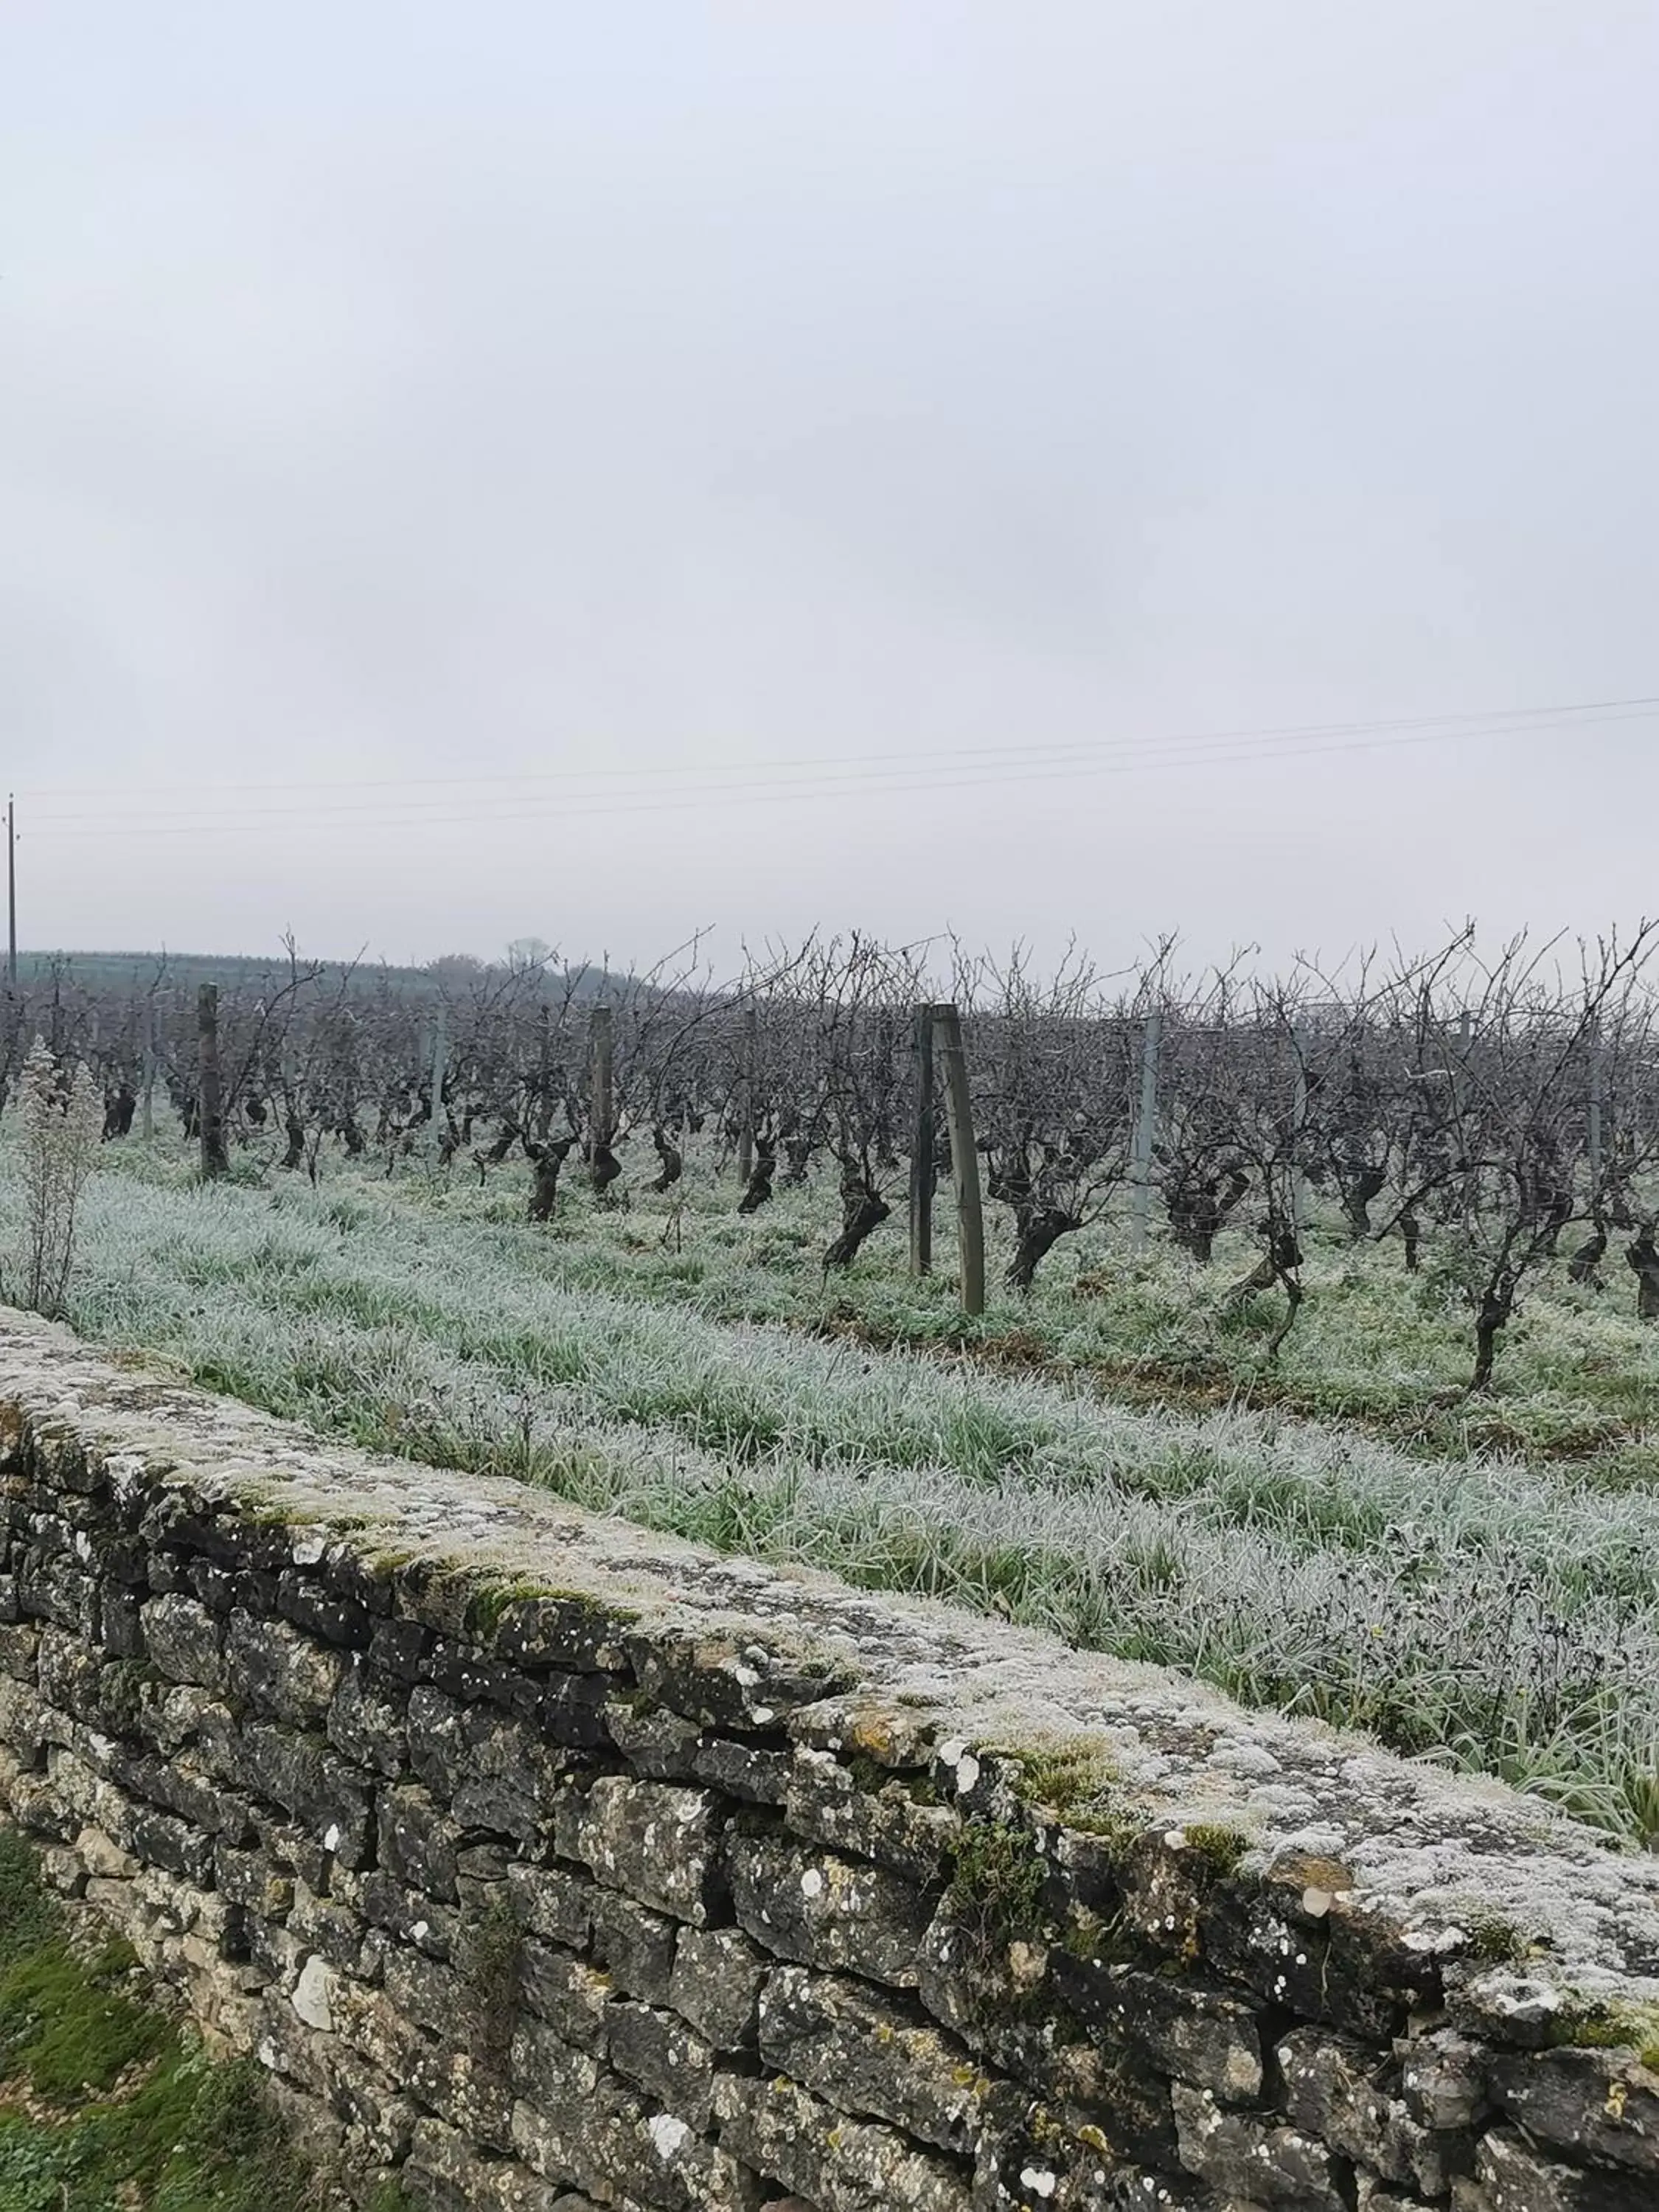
(716, 1984)
(366, 1718)
(282, 1674)
(1255, 2162)
(1593, 2103)
(570, 1996)
(658, 1842)
(659, 2053)
(1510, 2176)
(634, 1945)
(555, 1902)
(1443, 2078)
(821, 1910)
(417, 1842)
(725, 1683)
(409, 1915)
(494, 1771)
(823, 1801)
(185, 1641)
(1184, 2024)
(861, 2052)
(1342, 2092)
(750, 1772)
(842, 2165)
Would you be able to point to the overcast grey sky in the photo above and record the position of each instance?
(603, 470)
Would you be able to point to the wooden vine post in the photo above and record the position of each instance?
(435, 1120)
(921, 1147)
(1140, 1163)
(601, 1104)
(964, 1160)
(210, 1095)
(746, 1097)
(147, 1127)
(1298, 1182)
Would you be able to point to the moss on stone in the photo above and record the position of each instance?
(872, 1776)
(1099, 1940)
(1114, 1825)
(490, 1601)
(1589, 2023)
(995, 1890)
(1493, 1940)
(270, 1510)
(635, 1698)
(383, 1565)
(602, 1612)
(1069, 1778)
(1221, 1847)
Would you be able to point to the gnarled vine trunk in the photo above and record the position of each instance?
(546, 1159)
(1582, 1267)
(1198, 1211)
(1356, 1195)
(863, 1210)
(757, 1191)
(1411, 1235)
(1643, 1258)
(673, 1163)
(1040, 1228)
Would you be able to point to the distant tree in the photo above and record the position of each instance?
(528, 952)
(456, 967)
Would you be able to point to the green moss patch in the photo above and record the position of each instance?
(995, 1894)
(107, 2106)
(1613, 2027)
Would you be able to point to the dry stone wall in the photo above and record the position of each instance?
(547, 1863)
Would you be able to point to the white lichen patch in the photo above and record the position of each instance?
(669, 2137)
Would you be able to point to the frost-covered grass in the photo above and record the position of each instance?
(1497, 1611)
(1578, 1376)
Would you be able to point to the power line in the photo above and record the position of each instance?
(870, 767)
(892, 782)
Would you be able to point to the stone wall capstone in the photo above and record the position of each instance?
(547, 1863)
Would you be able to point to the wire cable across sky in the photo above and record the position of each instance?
(567, 793)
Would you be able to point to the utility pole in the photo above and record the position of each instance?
(11, 890)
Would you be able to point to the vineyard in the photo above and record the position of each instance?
(1291, 1332)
